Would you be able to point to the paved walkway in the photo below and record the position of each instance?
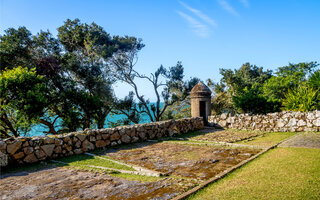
(306, 140)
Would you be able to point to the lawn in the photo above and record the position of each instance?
(281, 173)
(267, 139)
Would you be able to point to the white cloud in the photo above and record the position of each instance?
(198, 13)
(225, 5)
(198, 28)
(245, 3)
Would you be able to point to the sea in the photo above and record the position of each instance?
(39, 129)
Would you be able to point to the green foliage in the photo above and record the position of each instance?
(221, 100)
(75, 70)
(243, 88)
(23, 97)
(15, 48)
(251, 102)
(252, 90)
(287, 78)
(246, 77)
(302, 98)
(314, 80)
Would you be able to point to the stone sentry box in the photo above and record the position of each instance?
(201, 102)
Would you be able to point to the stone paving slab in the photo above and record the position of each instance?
(65, 183)
(306, 140)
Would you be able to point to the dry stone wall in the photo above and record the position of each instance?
(275, 122)
(33, 149)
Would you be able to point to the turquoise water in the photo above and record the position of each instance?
(38, 130)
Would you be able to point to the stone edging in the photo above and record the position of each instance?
(145, 171)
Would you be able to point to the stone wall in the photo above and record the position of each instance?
(273, 122)
(33, 149)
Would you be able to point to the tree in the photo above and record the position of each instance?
(244, 88)
(286, 78)
(221, 100)
(15, 48)
(23, 97)
(75, 70)
(169, 81)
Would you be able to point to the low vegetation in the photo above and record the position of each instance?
(267, 139)
(251, 89)
(281, 173)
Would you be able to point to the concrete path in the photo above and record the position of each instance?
(305, 140)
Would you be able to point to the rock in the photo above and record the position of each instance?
(58, 149)
(81, 137)
(301, 123)
(3, 159)
(114, 144)
(77, 151)
(48, 149)
(28, 150)
(316, 122)
(122, 131)
(317, 113)
(105, 136)
(281, 123)
(68, 147)
(92, 139)
(125, 139)
(98, 137)
(13, 148)
(292, 122)
(87, 146)
(223, 116)
(310, 116)
(115, 136)
(18, 155)
(67, 140)
(3, 145)
(100, 143)
(78, 144)
(223, 123)
(48, 140)
(142, 135)
(135, 139)
(31, 158)
(40, 154)
(58, 142)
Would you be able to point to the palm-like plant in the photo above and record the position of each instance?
(304, 98)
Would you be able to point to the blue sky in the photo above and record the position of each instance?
(204, 34)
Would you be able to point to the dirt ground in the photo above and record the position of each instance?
(192, 161)
(65, 183)
(307, 140)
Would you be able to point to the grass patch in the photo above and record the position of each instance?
(267, 139)
(82, 160)
(134, 177)
(281, 173)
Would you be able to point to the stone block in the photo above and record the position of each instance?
(48, 149)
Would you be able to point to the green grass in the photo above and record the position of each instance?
(134, 177)
(281, 173)
(267, 139)
(82, 160)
